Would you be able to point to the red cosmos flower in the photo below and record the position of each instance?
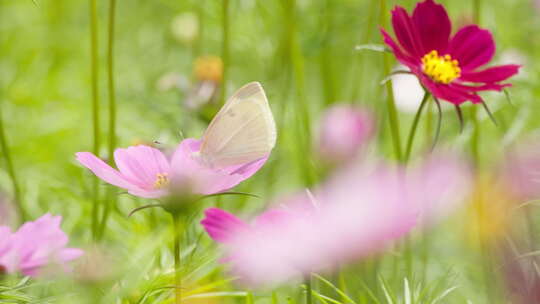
(448, 67)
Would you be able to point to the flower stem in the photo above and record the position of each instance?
(225, 27)
(476, 11)
(309, 293)
(177, 274)
(392, 111)
(111, 198)
(303, 122)
(414, 127)
(95, 108)
(11, 171)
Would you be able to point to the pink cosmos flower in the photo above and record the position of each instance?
(35, 245)
(343, 131)
(147, 172)
(447, 66)
(354, 214)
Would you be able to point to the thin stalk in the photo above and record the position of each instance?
(309, 293)
(325, 58)
(485, 255)
(95, 108)
(11, 171)
(414, 127)
(274, 298)
(302, 120)
(111, 198)
(392, 111)
(358, 66)
(177, 273)
(476, 11)
(225, 27)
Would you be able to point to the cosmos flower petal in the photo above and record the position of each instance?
(472, 47)
(433, 26)
(221, 225)
(451, 93)
(491, 75)
(103, 170)
(142, 164)
(484, 87)
(155, 193)
(406, 59)
(406, 32)
(37, 244)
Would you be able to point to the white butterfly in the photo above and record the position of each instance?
(242, 131)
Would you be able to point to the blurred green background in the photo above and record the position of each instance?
(303, 52)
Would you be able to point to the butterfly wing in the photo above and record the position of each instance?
(242, 131)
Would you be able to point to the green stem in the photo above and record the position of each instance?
(476, 11)
(95, 107)
(225, 27)
(309, 293)
(303, 122)
(358, 66)
(414, 127)
(392, 111)
(325, 57)
(177, 273)
(11, 172)
(111, 198)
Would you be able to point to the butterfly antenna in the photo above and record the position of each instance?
(460, 117)
(439, 122)
(488, 111)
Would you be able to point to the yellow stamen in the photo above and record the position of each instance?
(441, 69)
(162, 180)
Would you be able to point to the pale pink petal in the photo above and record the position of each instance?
(102, 170)
(39, 243)
(141, 164)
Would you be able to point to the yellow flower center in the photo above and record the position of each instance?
(441, 69)
(161, 181)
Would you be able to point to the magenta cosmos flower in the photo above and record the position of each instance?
(447, 66)
(147, 172)
(354, 214)
(35, 245)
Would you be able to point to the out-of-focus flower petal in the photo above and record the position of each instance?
(221, 225)
(344, 129)
(37, 244)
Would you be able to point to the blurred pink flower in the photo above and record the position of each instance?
(354, 214)
(35, 245)
(521, 170)
(146, 172)
(343, 131)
